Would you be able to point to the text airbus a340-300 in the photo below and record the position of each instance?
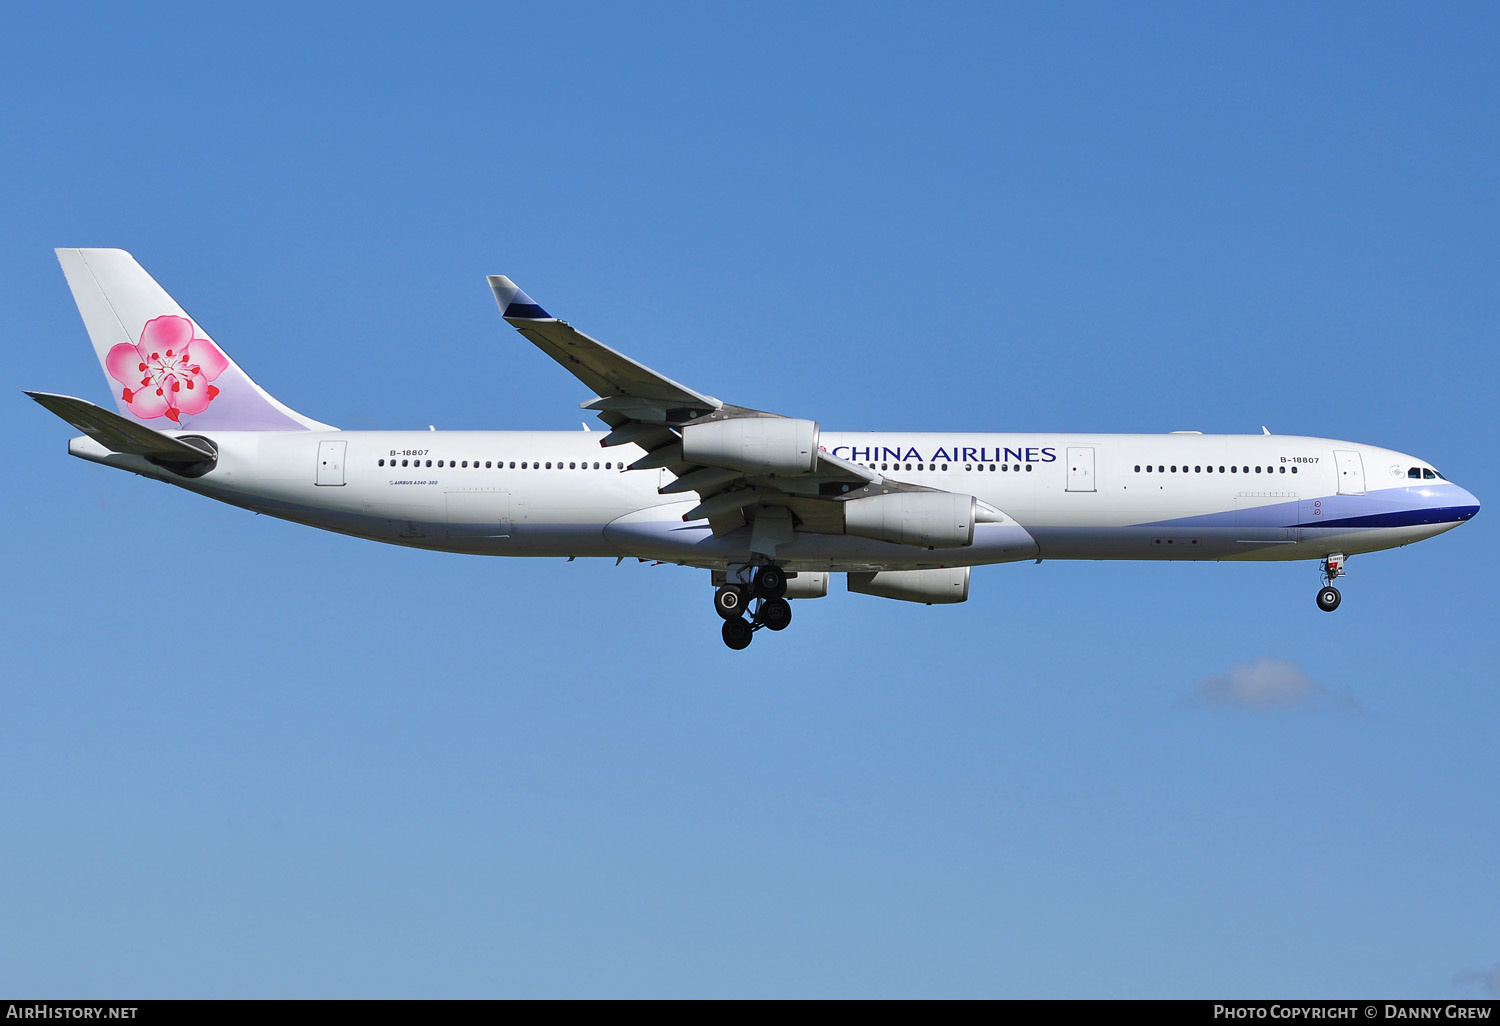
(770, 505)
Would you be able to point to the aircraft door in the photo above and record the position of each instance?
(1081, 468)
(331, 462)
(1351, 472)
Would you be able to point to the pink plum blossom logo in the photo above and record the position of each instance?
(168, 374)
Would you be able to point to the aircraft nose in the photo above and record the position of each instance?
(1466, 505)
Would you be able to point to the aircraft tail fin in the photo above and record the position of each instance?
(160, 364)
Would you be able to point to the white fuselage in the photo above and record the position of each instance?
(537, 493)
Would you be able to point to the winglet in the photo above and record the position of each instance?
(514, 303)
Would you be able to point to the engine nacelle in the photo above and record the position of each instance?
(807, 584)
(756, 445)
(933, 520)
(933, 587)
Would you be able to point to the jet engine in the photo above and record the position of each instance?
(755, 445)
(807, 584)
(932, 520)
(933, 587)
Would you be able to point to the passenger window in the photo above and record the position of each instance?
(572, 466)
(1148, 468)
(549, 464)
(596, 465)
(1283, 470)
(1137, 468)
(1197, 470)
(403, 463)
(382, 463)
(1028, 468)
(1234, 470)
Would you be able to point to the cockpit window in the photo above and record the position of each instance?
(1429, 474)
(1415, 472)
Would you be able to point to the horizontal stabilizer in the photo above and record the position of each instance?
(119, 434)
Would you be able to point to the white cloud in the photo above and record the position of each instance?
(1270, 684)
(1489, 977)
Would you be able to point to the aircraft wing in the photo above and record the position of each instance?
(599, 367)
(656, 413)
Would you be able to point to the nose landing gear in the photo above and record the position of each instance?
(1333, 568)
(771, 609)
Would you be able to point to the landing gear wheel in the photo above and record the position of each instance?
(1329, 599)
(770, 582)
(737, 633)
(729, 602)
(775, 613)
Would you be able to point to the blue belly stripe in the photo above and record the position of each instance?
(1402, 518)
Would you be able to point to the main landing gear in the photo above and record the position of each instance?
(1333, 568)
(771, 610)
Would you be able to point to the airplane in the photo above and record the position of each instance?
(770, 505)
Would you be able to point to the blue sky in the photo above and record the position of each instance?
(243, 758)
